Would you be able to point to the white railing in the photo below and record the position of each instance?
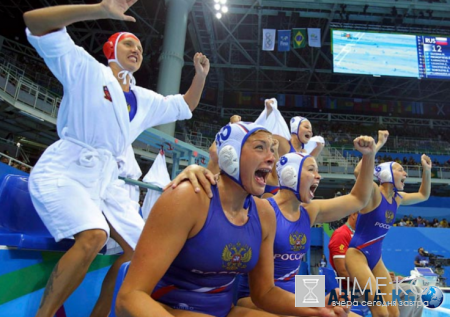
(396, 144)
(195, 139)
(11, 161)
(25, 91)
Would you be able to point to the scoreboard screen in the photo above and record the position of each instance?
(390, 54)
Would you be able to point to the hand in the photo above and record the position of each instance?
(382, 137)
(201, 64)
(426, 162)
(115, 9)
(269, 104)
(235, 118)
(365, 145)
(195, 174)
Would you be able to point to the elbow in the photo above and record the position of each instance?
(121, 304)
(256, 299)
(27, 18)
(33, 23)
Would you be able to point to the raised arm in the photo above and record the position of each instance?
(318, 149)
(382, 139)
(326, 210)
(168, 227)
(425, 188)
(194, 93)
(49, 19)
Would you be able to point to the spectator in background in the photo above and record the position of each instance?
(420, 222)
(323, 261)
(422, 258)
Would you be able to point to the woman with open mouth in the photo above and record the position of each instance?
(193, 247)
(296, 139)
(296, 211)
(363, 258)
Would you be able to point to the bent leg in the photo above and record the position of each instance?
(358, 269)
(381, 271)
(70, 270)
(103, 305)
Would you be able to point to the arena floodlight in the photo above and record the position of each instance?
(224, 9)
(218, 15)
(217, 6)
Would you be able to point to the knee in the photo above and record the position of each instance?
(91, 241)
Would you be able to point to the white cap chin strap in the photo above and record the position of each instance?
(123, 73)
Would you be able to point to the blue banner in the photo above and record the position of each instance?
(284, 40)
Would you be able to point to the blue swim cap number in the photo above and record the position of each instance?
(223, 135)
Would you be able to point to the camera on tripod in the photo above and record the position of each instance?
(437, 262)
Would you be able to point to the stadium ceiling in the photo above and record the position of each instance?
(234, 43)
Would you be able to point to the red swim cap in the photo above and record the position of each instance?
(109, 48)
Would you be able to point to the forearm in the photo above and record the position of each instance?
(318, 149)
(425, 187)
(139, 304)
(194, 93)
(49, 19)
(363, 186)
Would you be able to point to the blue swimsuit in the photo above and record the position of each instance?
(201, 277)
(292, 241)
(371, 228)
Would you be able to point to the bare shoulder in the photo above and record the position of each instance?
(266, 214)
(183, 198)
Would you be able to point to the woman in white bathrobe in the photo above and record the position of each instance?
(74, 186)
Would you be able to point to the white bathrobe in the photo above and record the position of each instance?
(74, 186)
(129, 168)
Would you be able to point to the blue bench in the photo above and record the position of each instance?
(20, 225)
(119, 280)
